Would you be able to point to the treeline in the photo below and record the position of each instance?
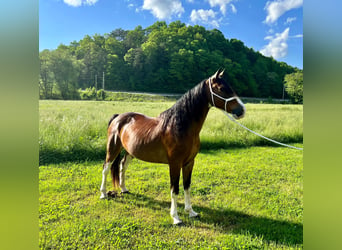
(161, 58)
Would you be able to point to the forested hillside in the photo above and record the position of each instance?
(161, 58)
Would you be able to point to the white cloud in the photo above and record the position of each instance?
(277, 47)
(77, 3)
(164, 9)
(205, 17)
(222, 3)
(277, 8)
(234, 10)
(270, 31)
(289, 20)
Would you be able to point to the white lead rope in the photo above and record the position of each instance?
(232, 119)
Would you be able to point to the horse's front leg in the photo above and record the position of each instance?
(187, 171)
(174, 179)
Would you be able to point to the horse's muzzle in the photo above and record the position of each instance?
(239, 112)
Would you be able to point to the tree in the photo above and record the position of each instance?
(66, 69)
(294, 86)
(46, 77)
(160, 58)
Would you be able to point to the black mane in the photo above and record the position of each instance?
(187, 109)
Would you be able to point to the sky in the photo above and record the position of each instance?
(274, 28)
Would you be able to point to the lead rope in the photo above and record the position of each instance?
(283, 144)
(232, 119)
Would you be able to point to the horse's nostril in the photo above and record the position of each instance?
(239, 113)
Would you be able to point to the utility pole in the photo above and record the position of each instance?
(96, 87)
(103, 80)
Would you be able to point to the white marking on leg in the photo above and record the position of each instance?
(188, 207)
(123, 166)
(105, 172)
(173, 211)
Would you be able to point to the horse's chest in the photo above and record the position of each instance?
(189, 147)
(194, 148)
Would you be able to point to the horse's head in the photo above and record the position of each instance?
(223, 96)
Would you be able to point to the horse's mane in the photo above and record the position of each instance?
(187, 109)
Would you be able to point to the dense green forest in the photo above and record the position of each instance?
(161, 58)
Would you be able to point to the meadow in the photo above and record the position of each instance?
(248, 191)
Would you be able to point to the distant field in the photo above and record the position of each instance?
(248, 191)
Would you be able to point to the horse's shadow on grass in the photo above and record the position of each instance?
(230, 221)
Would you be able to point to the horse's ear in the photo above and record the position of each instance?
(219, 73)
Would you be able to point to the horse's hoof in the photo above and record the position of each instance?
(103, 196)
(179, 224)
(194, 215)
(177, 221)
(125, 192)
(112, 194)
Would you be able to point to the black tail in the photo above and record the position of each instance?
(112, 118)
(115, 171)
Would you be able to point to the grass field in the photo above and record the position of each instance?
(248, 192)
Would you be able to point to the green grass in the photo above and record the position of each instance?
(249, 194)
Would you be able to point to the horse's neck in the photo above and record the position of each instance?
(196, 126)
(188, 114)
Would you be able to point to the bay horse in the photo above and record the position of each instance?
(171, 138)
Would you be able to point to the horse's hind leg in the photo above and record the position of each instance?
(113, 150)
(123, 166)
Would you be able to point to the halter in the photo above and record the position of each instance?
(226, 100)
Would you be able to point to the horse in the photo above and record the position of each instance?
(171, 138)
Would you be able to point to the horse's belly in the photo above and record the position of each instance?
(150, 154)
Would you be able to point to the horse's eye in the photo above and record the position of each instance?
(222, 88)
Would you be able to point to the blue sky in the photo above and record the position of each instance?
(275, 27)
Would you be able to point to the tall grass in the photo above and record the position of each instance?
(76, 130)
(283, 123)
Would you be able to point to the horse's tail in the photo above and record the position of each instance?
(115, 167)
(115, 170)
(112, 118)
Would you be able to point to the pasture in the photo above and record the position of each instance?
(249, 192)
